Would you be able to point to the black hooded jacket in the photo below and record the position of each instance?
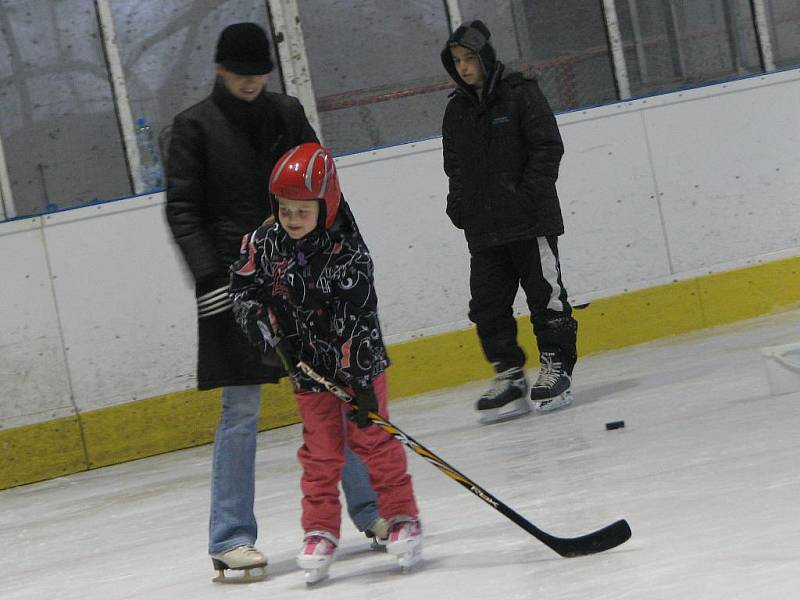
(502, 150)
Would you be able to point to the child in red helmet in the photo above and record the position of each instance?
(308, 279)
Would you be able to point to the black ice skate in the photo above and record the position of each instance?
(506, 399)
(552, 387)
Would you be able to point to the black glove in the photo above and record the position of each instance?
(259, 325)
(366, 402)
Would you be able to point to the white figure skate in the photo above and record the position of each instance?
(405, 541)
(378, 533)
(316, 556)
(246, 559)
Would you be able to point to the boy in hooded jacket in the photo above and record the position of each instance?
(502, 150)
(307, 280)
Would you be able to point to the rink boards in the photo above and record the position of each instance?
(680, 213)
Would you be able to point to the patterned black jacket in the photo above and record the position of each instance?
(321, 290)
(502, 155)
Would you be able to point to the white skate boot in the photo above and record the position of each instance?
(552, 388)
(378, 533)
(506, 399)
(242, 558)
(316, 556)
(405, 541)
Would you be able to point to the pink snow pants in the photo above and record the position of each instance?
(322, 458)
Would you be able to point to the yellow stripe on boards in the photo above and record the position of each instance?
(745, 293)
(126, 432)
(41, 451)
(184, 419)
(179, 420)
(451, 359)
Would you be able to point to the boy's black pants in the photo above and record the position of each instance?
(496, 274)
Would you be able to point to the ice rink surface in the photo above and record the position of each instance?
(706, 471)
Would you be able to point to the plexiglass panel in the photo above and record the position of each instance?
(374, 65)
(562, 43)
(376, 70)
(672, 44)
(784, 17)
(167, 51)
(57, 117)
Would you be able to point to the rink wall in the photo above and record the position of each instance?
(681, 213)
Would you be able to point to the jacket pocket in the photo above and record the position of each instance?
(515, 202)
(453, 211)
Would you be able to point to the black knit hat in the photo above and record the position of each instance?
(244, 49)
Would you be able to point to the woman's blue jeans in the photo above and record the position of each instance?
(231, 520)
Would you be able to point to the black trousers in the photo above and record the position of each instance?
(496, 275)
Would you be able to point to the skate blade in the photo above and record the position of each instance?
(315, 568)
(551, 404)
(510, 411)
(410, 558)
(405, 548)
(251, 575)
(315, 576)
(377, 545)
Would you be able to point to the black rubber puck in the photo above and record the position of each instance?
(615, 425)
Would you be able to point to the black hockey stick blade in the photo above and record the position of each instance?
(603, 539)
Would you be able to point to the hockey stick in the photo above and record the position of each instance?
(603, 539)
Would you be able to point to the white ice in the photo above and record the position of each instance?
(706, 471)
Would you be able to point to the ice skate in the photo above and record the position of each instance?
(405, 541)
(552, 388)
(506, 399)
(316, 556)
(378, 533)
(244, 558)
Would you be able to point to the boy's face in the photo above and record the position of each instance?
(468, 65)
(298, 217)
(243, 87)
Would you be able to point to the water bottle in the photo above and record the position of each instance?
(152, 173)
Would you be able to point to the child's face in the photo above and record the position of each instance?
(468, 65)
(298, 217)
(243, 87)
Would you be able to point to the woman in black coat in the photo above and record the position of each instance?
(220, 154)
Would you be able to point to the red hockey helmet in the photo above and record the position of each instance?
(307, 172)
